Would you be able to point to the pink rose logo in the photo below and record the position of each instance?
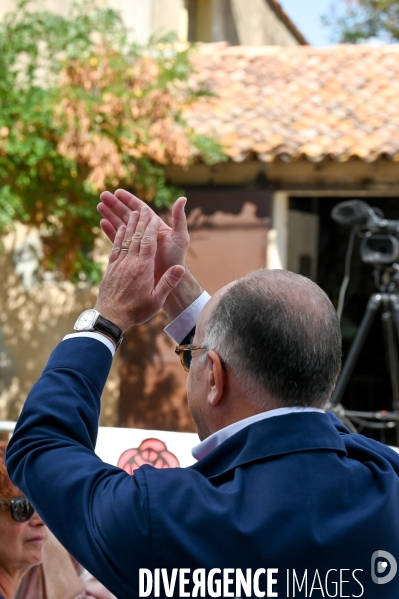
(151, 451)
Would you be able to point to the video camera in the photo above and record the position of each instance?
(380, 244)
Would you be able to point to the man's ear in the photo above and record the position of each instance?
(217, 378)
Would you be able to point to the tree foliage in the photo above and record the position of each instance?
(354, 21)
(83, 109)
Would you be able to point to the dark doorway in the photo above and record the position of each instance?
(369, 388)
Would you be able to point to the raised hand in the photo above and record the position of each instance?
(172, 241)
(129, 293)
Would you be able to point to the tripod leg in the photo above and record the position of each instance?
(395, 311)
(372, 307)
(393, 356)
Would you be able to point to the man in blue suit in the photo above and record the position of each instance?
(283, 502)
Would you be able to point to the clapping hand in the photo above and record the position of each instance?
(172, 241)
(130, 294)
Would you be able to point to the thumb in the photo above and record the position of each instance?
(179, 221)
(168, 282)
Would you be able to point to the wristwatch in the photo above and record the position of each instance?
(91, 320)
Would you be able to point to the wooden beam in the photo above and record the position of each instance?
(300, 177)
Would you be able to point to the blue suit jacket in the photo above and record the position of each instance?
(290, 492)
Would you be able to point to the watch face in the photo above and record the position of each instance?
(85, 320)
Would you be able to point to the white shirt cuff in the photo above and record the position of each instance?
(93, 335)
(186, 321)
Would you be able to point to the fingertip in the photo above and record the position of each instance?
(178, 271)
(106, 226)
(122, 193)
(108, 229)
(178, 207)
(121, 230)
(119, 234)
(170, 280)
(155, 223)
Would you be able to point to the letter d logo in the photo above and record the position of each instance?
(381, 566)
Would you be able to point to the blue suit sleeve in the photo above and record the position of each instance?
(97, 511)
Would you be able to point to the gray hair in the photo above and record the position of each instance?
(280, 334)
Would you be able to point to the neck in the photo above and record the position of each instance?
(9, 583)
(235, 411)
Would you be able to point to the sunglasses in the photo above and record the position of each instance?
(184, 352)
(21, 508)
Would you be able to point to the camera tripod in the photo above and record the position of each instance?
(387, 299)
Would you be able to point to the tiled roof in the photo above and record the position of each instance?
(292, 102)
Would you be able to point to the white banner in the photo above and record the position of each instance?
(130, 448)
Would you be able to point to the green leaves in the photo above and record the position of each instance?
(11, 208)
(83, 109)
(355, 21)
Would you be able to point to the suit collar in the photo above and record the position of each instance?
(270, 438)
(214, 440)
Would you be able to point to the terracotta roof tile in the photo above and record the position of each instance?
(291, 102)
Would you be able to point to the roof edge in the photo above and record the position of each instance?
(278, 9)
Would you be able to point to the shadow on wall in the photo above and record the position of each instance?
(152, 380)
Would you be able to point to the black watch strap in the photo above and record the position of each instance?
(109, 328)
